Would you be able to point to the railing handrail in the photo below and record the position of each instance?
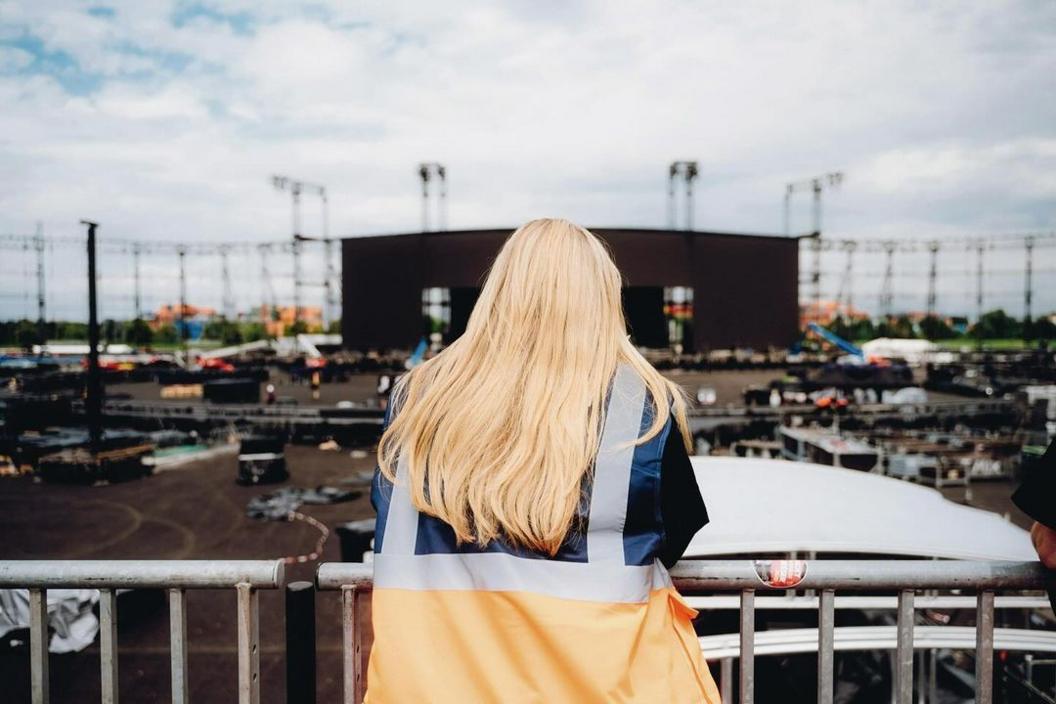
(694, 576)
(727, 575)
(905, 577)
(145, 574)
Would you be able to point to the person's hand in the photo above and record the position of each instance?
(1044, 539)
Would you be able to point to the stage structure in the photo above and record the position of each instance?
(687, 290)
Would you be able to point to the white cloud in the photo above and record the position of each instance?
(942, 115)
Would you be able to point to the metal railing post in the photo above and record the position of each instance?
(248, 645)
(38, 644)
(984, 648)
(108, 645)
(826, 638)
(300, 643)
(178, 645)
(351, 644)
(726, 680)
(904, 650)
(747, 680)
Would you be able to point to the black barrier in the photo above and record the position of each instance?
(300, 643)
(355, 537)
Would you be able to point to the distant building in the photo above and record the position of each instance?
(826, 312)
(279, 319)
(690, 290)
(193, 320)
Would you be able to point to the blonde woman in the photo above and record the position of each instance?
(533, 486)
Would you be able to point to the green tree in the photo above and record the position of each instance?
(997, 324)
(27, 334)
(167, 334)
(138, 333)
(254, 331)
(1043, 329)
(334, 328)
(935, 328)
(900, 327)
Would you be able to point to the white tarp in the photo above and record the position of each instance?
(70, 618)
(778, 506)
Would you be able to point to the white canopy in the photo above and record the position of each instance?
(777, 506)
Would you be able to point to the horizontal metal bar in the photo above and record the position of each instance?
(791, 641)
(335, 575)
(692, 576)
(145, 574)
(725, 575)
(725, 602)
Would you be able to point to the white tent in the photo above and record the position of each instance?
(776, 506)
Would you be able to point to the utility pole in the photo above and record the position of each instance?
(228, 302)
(38, 243)
(427, 171)
(815, 274)
(136, 292)
(980, 246)
(933, 274)
(845, 294)
(687, 171)
(331, 278)
(887, 292)
(1028, 288)
(267, 291)
(181, 317)
(94, 395)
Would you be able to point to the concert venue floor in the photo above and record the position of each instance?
(198, 512)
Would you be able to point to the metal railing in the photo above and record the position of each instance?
(175, 576)
(826, 577)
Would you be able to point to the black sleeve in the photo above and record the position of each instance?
(1037, 495)
(681, 505)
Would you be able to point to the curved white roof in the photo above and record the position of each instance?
(766, 506)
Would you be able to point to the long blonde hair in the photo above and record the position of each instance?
(499, 429)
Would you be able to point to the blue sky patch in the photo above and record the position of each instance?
(187, 12)
(55, 63)
(101, 11)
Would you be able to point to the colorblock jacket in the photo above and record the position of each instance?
(598, 622)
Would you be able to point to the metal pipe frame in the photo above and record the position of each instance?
(247, 576)
(905, 577)
(141, 574)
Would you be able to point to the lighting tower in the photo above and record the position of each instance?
(815, 185)
(296, 187)
(427, 171)
(38, 245)
(933, 274)
(687, 171)
(1028, 289)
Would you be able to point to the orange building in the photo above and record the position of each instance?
(824, 312)
(277, 320)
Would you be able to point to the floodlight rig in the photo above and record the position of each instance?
(296, 187)
(687, 171)
(427, 171)
(815, 185)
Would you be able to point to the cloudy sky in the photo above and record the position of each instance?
(164, 120)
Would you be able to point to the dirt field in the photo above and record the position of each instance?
(193, 513)
(198, 512)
